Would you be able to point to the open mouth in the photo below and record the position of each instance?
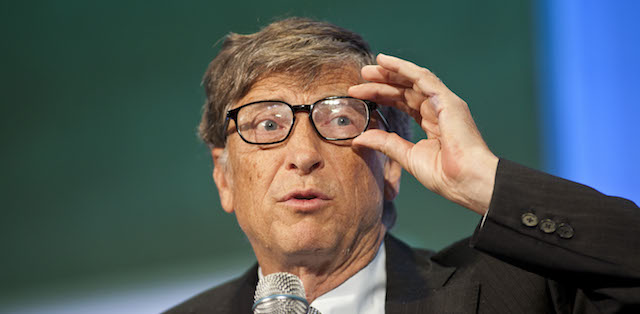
(304, 197)
(306, 201)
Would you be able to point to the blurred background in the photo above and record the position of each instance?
(106, 195)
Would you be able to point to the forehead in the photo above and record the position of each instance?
(291, 88)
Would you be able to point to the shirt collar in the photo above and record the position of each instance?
(364, 292)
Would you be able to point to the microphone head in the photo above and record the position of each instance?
(280, 293)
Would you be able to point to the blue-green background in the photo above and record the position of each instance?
(103, 175)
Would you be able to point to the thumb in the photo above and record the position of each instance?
(390, 144)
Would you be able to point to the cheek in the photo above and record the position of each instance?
(245, 168)
(252, 170)
(363, 180)
(252, 175)
(371, 163)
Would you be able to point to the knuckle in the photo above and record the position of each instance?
(388, 142)
(387, 75)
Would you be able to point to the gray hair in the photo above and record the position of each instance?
(300, 47)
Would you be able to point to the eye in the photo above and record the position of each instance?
(268, 125)
(341, 121)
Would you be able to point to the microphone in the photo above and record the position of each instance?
(281, 293)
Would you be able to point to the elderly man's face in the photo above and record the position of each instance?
(305, 195)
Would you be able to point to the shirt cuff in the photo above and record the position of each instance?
(484, 218)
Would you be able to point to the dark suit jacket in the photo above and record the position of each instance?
(508, 266)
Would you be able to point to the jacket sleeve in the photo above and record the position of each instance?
(567, 232)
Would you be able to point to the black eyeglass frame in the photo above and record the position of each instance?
(371, 106)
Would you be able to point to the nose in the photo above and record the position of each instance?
(303, 147)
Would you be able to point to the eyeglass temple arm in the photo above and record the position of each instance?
(231, 115)
(384, 120)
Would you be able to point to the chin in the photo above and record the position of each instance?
(309, 240)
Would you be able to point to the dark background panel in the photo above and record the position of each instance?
(102, 172)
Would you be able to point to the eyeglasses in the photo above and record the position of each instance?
(334, 119)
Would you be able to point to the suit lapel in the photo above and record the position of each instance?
(415, 284)
(243, 298)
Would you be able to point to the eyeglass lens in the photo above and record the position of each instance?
(268, 122)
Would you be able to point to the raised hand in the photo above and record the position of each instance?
(453, 160)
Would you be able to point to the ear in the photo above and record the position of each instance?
(392, 173)
(223, 182)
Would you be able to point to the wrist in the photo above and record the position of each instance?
(477, 190)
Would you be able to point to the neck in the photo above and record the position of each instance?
(321, 273)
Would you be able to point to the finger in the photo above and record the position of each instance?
(377, 92)
(387, 94)
(457, 126)
(452, 113)
(390, 144)
(420, 77)
(407, 100)
(376, 73)
(404, 99)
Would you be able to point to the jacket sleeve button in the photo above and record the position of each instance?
(529, 219)
(548, 226)
(565, 231)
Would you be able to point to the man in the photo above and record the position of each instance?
(309, 164)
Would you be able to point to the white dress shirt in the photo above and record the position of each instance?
(364, 292)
